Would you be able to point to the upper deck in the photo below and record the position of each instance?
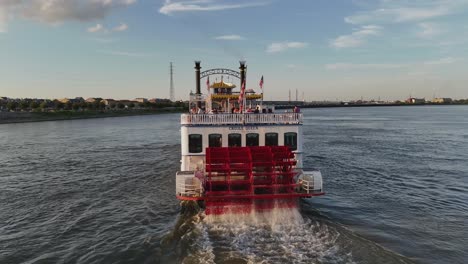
(241, 119)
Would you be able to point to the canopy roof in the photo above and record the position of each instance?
(223, 84)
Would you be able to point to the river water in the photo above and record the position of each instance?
(102, 191)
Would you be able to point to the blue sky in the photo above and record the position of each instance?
(326, 49)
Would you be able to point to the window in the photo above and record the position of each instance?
(271, 139)
(251, 139)
(290, 140)
(234, 140)
(215, 140)
(195, 143)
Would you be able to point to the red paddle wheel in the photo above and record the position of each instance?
(240, 179)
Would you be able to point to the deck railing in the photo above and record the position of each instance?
(241, 119)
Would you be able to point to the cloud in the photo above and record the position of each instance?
(96, 28)
(171, 7)
(357, 38)
(354, 66)
(428, 30)
(230, 37)
(100, 28)
(399, 11)
(58, 11)
(125, 53)
(122, 27)
(448, 60)
(384, 66)
(3, 20)
(282, 46)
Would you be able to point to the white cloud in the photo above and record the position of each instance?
(282, 46)
(100, 28)
(230, 37)
(357, 38)
(428, 30)
(125, 53)
(448, 60)
(399, 11)
(58, 11)
(122, 27)
(3, 20)
(382, 66)
(171, 7)
(354, 66)
(96, 28)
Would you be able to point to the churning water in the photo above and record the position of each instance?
(102, 191)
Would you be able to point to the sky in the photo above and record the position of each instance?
(324, 49)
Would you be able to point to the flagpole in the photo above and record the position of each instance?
(262, 100)
(261, 87)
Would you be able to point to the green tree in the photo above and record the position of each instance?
(43, 105)
(34, 105)
(58, 105)
(131, 105)
(12, 105)
(76, 106)
(120, 106)
(24, 104)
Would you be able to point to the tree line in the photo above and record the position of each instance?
(56, 105)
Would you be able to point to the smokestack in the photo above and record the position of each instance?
(197, 77)
(242, 68)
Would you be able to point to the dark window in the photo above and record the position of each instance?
(195, 143)
(235, 140)
(251, 140)
(215, 140)
(271, 139)
(290, 139)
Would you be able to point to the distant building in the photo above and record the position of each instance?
(93, 100)
(442, 100)
(413, 100)
(141, 100)
(159, 100)
(108, 102)
(127, 103)
(74, 100)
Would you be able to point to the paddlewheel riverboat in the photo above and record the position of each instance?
(239, 155)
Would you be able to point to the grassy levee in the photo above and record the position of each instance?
(22, 117)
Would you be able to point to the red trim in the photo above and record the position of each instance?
(263, 196)
(186, 198)
(254, 196)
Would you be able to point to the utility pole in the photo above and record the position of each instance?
(296, 96)
(289, 97)
(171, 91)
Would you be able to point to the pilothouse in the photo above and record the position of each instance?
(238, 154)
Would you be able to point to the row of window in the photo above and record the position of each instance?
(235, 140)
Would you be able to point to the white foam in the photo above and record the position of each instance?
(276, 236)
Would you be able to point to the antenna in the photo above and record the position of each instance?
(296, 96)
(171, 91)
(289, 96)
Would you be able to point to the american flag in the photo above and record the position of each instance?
(261, 83)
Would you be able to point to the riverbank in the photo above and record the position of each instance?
(23, 117)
